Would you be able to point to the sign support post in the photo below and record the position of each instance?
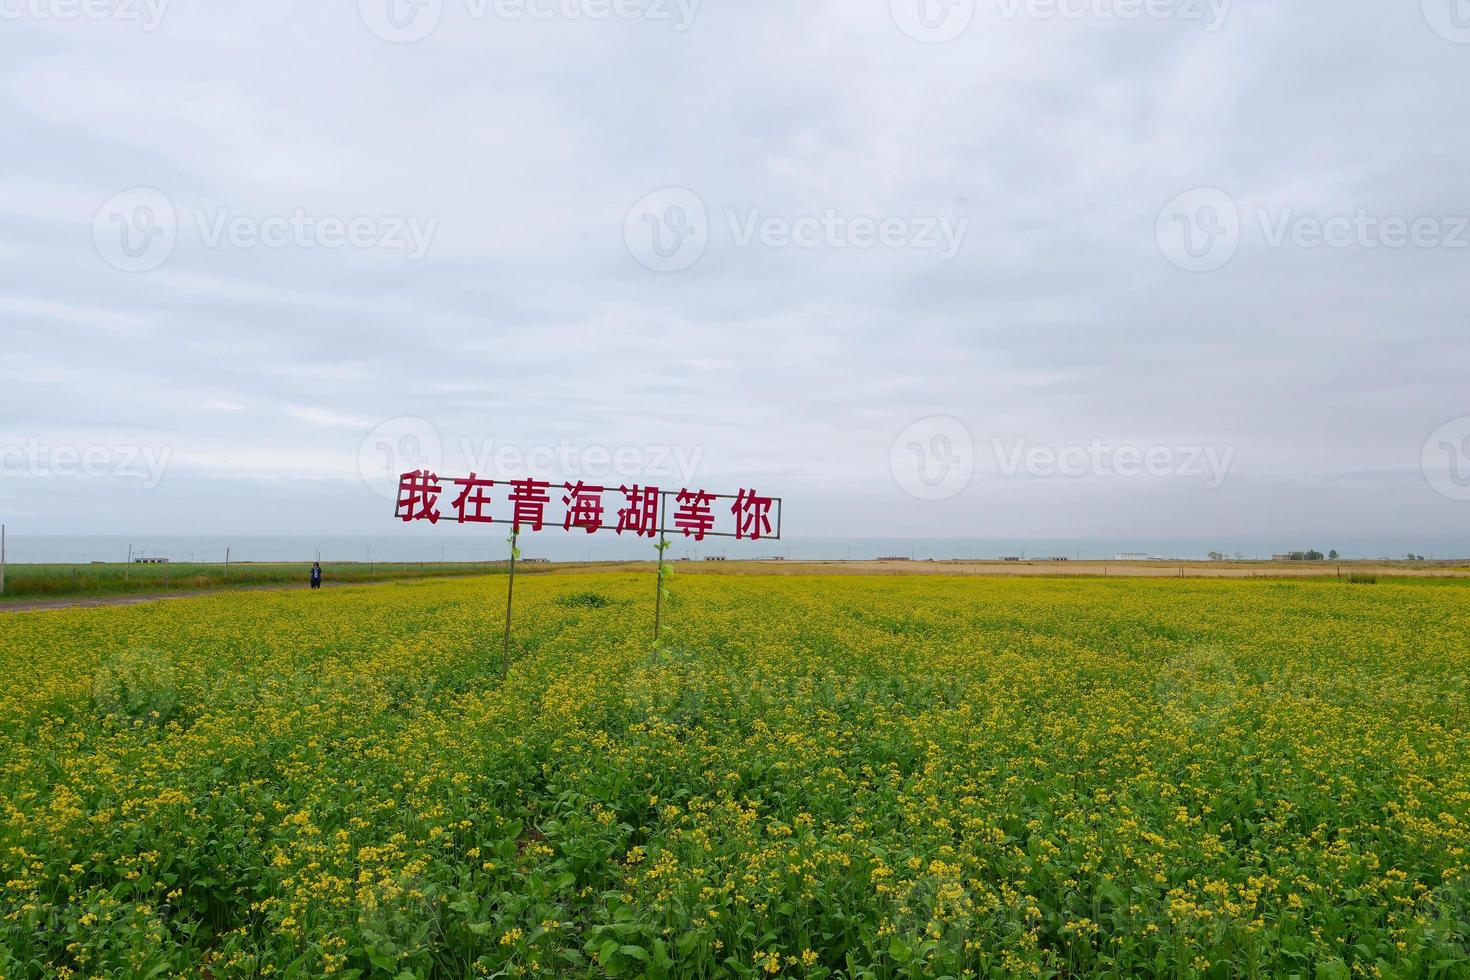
(658, 597)
(663, 547)
(510, 591)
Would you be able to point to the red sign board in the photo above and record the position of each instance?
(531, 504)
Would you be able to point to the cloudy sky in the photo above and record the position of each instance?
(991, 268)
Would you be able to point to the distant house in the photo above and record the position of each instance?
(1298, 556)
(1011, 558)
(714, 558)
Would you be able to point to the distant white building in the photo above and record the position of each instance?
(1132, 556)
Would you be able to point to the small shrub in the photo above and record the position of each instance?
(585, 600)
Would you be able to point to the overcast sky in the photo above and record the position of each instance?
(994, 269)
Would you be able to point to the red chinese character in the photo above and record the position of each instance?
(418, 493)
(641, 514)
(752, 515)
(472, 500)
(584, 507)
(693, 516)
(530, 499)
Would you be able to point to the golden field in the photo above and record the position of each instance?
(812, 776)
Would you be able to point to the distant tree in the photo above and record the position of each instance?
(1216, 556)
(1332, 555)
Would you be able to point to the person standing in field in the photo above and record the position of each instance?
(316, 575)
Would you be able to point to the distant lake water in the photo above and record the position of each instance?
(460, 545)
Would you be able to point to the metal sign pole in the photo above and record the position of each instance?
(510, 590)
(658, 598)
(663, 545)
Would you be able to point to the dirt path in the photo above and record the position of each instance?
(1039, 569)
(91, 602)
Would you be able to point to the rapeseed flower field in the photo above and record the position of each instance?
(810, 777)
